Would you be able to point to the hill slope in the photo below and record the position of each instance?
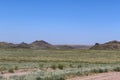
(112, 45)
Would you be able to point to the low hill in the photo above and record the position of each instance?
(6, 45)
(112, 45)
(34, 45)
(41, 45)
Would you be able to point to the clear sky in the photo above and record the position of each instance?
(60, 21)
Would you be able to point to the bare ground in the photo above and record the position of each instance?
(102, 76)
(21, 72)
(18, 73)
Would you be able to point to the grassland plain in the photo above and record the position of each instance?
(65, 63)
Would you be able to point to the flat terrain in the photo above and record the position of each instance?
(103, 76)
(91, 56)
(60, 63)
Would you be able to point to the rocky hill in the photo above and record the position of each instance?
(34, 45)
(112, 45)
(6, 45)
(41, 45)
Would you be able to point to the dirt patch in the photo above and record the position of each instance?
(19, 72)
(102, 76)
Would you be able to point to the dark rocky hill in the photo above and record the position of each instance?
(6, 45)
(41, 45)
(112, 45)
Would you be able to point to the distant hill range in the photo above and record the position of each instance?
(41, 44)
(34, 45)
(112, 45)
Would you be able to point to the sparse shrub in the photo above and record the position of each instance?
(61, 78)
(106, 70)
(2, 68)
(79, 66)
(116, 69)
(2, 72)
(79, 73)
(35, 67)
(61, 66)
(86, 73)
(1, 77)
(55, 77)
(94, 71)
(16, 67)
(71, 66)
(11, 70)
(41, 65)
(99, 70)
(38, 78)
(53, 66)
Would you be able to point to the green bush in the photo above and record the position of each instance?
(38, 78)
(16, 67)
(117, 69)
(2, 68)
(71, 66)
(61, 78)
(94, 71)
(99, 70)
(79, 66)
(53, 66)
(60, 66)
(11, 71)
(41, 65)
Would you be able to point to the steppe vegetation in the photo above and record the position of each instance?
(56, 64)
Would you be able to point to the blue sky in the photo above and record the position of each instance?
(60, 21)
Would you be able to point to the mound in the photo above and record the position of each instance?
(112, 45)
(6, 45)
(41, 45)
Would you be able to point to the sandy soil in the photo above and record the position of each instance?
(21, 72)
(18, 73)
(102, 76)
